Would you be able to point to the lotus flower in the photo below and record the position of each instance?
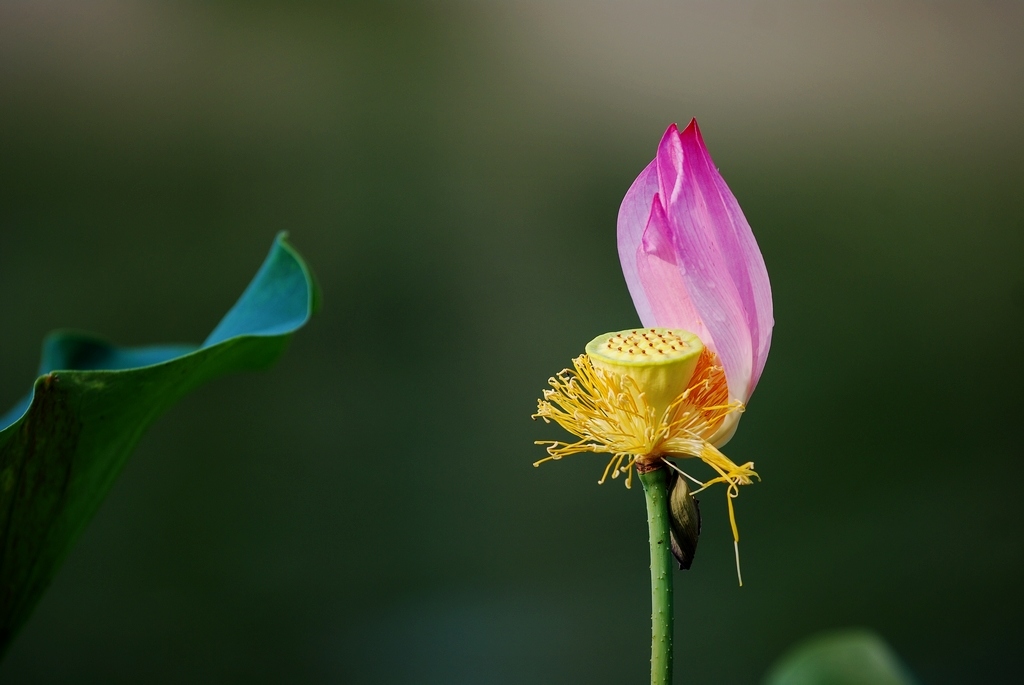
(691, 262)
(675, 388)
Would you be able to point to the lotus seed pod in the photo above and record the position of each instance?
(660, 361)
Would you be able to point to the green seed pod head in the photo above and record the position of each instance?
(660, 361)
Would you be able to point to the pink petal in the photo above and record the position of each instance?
(658, 267)
(758, 293)
(723, 269)
(649, 262)
(690, 259)
(669, 163)
(633, 216)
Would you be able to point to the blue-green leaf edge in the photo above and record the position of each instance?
(63, 445)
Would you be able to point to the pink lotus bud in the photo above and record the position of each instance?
(691, 262)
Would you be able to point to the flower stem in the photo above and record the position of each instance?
(655, 482)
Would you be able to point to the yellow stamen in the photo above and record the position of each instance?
(610, 412)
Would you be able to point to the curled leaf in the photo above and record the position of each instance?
(63, 445)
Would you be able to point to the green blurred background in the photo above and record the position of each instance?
(366, 512)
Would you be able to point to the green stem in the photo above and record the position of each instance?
(655, 484)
